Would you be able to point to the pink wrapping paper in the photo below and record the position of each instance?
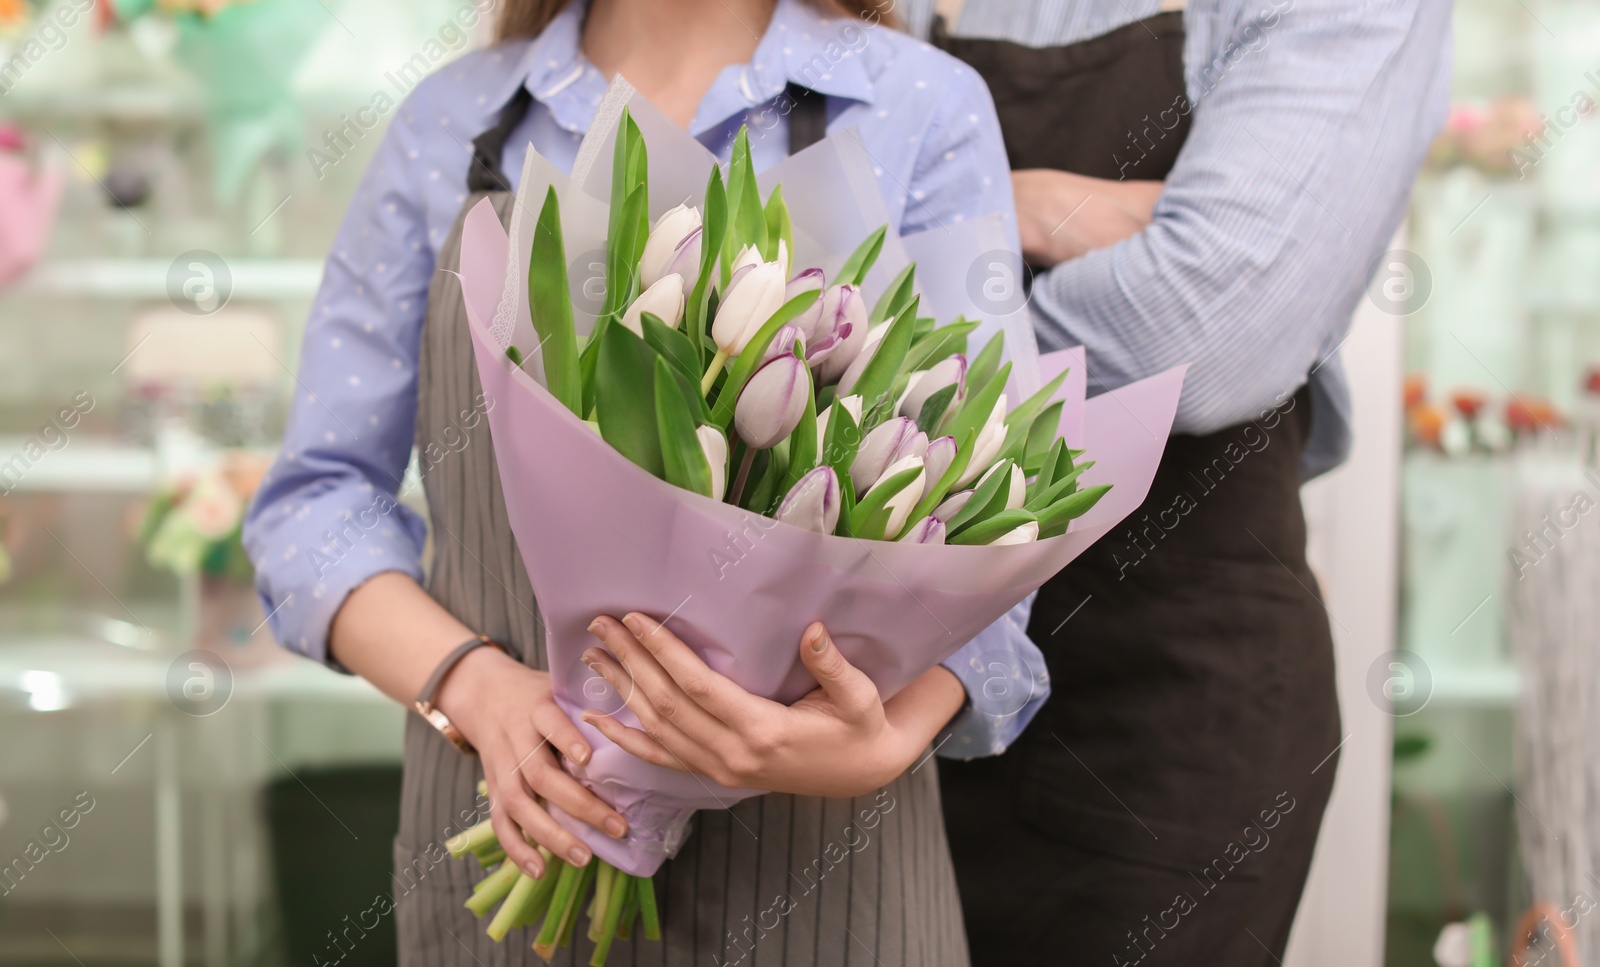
(598, 536)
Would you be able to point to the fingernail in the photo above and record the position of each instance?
(578, 855)
(580, 753)
(632, 621)
(616, 827)
(533, 869)
(819, 641)
(594, 627)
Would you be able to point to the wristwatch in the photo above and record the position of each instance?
(424, 704)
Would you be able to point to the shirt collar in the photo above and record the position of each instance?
(802, 45)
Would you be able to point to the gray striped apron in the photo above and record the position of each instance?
(777, 879)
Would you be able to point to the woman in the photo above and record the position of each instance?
(387, 363)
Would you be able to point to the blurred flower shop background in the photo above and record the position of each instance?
(171, 174)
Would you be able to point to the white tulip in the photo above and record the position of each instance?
(858, 365)
(987, 447)
(664, 300)
(1017, 487)
(1024, 533)
(715, 446)
(749, 303)
(902, 503)
(670, 229)
(748, 256)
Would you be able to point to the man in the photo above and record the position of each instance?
(1213, 187)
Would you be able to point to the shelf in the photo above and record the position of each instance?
(82, 466)
(260, 279)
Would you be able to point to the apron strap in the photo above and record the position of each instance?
(808, 122)
(489, 147)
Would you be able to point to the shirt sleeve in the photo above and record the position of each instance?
(961, 170)
(326, 518)
(1006, 681)
(1307, 133)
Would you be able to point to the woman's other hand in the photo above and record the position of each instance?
(1061, 215)
(840, 740)
(508, 713)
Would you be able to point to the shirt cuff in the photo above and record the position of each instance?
(1006, 680)
(311, 554)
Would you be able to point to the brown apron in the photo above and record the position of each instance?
(776, 880)
(1163, 806)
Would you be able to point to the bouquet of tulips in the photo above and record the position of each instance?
(739, 447)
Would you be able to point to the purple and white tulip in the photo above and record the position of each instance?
(928, 530)
(841, 333)
(813, 502)
(808, 281)
(753, 296)
(941, 453)
(666, 235)
(685, 261)
(851, 404)
(952, 370)
(784, 339)
(902, 503)
(1016, 487)
(889, 441)
(987, 446)
(863, 356)
(772, 402)
(951, 506)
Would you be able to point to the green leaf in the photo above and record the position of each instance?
(747, 221)
(1058, 488)
(878, 377)
(974, 413)
(1054, 519)
(841, 442)
(682, 459)
(847, 504)
(1041, 437)
(803, 445)
(871, 515)
(987, 500)
(766, 492)
(895, 296)
(855, 268)
(625, 401)
(1046, 472)
(939, 344)
(670, 343)
(1020, 420)
(515, 355)
(714, 224)
(748, 361)
(778, 226)
(933, 496)
(986, 362)
(996, 526)
(933, 410)
(550, 304)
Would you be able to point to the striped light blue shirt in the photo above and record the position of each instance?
(1310, 120)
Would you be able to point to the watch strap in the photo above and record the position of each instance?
(424, 703)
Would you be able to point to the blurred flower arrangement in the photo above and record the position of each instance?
(1466, 423)
(193, 525)
(1485, 137)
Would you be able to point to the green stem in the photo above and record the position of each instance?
(602, 896)
(492, 889)
(717, 362)
(572, 911)
(647, 908)
(613, 917)
(566, 885)
(630, 908)
(736, 492)
(540, 901)
(471, 840)
(489, 858)
(510, 912)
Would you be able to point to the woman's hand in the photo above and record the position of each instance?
(1061, 216)
(507, 711)
(839, 740)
